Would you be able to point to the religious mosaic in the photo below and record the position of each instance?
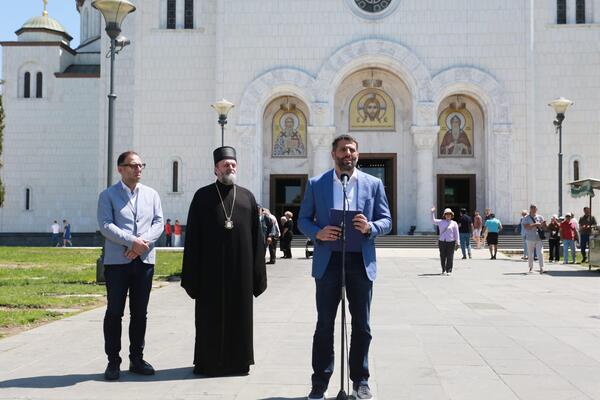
(456, 132)
(372, 110)
(289, 133)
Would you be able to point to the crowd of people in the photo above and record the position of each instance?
(532, 227)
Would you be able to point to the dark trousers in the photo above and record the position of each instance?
(135, 278)
(554, 249)
(286, 246)
(169, 240)
(584, 240)
(273, 250)
(446, 255)
(359, 290)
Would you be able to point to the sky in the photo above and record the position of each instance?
(14, 13)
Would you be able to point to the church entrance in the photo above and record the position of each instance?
(382, 166)
(287, 192)
(456, 192)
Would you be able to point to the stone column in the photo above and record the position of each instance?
(320, 140)
(424, 138)
(320, 136)
(501, 197)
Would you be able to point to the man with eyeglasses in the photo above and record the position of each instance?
(131, 220)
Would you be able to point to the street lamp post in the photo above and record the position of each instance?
(114, 12)
(222, 107)
(560, 106)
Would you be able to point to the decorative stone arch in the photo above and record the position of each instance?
(272, 84)
(373, 53)
(493, 99)
(477, 83)
(257, 96)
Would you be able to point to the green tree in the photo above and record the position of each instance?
(1, 142)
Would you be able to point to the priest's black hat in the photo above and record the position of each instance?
(224, 153)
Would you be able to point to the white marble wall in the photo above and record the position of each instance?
(253, 51)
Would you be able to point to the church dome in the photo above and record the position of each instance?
(43, 28)
(44, 22)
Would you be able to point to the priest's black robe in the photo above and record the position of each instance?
(222, 270)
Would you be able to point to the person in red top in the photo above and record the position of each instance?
(568, 234)
(177, 233)
(168, 233)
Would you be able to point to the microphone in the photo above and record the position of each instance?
(344, 178)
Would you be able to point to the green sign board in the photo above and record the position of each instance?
(585, 189)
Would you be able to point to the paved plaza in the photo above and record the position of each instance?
(488, 332)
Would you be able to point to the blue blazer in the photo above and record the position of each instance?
(120, 224)
(316, 207)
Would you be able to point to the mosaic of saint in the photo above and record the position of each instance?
(456, 133)
(289, 134)
(372, 110)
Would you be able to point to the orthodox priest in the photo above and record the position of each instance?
(223, 267)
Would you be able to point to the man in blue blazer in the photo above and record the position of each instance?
(365, 194)
(131, 220)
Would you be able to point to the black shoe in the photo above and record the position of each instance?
(141, 367)
(583, 260)
(362, 392)
(270, 262)
(317, 393)
(535, 258)
(464, 257)
(112, 371)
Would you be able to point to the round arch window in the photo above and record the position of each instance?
(373, 9)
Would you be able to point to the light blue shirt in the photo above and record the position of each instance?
(493, 225)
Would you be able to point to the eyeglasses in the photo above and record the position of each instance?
(134, 166)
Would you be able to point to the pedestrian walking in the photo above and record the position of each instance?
(465, 227)
(568, 234)
(55, 234)
(288, 234)
(520, 229)
(493, 226)
(554, 239)
(272, 236)
(66, 233)
(449, 239)
(586, 223)
(535, 227)
(477, 226)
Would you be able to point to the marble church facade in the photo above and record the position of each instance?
(448, 101)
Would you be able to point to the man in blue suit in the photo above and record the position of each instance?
(131, 220)
(365, 194)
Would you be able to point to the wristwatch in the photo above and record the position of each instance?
(369, 231)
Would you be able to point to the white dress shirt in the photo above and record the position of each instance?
(351, 192)
(132, 194)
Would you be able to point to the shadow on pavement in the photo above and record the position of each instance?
(283, 398)
(438, 274)
(576, 273)
(57, 381)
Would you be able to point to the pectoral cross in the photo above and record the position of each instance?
(45, 13)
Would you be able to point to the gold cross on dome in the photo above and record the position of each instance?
(45, 14)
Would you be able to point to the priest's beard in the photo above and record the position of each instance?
(227, 178)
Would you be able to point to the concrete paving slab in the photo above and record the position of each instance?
(489, 331)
